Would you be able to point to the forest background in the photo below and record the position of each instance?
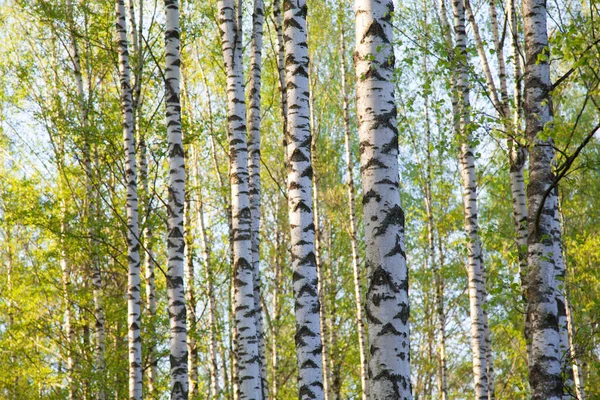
(63, 195)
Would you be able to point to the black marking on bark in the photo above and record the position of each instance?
(376, 30)
(388, 329)
(393, 217)
(371, 194)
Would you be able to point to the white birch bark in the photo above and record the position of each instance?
(387, 306)
(278, 21)
(475, 270)
(175, 208)
(254, 171)
(248, 374)
(564, 348)
(544, 360)
(133, 245)
(577, 370)
(518, 153)
(300, 202)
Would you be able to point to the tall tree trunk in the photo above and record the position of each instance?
(147, 258)
(387, 295)
(99, 336)
(278, 22)
(175, 238)
(518, 153)
(210, 288)
(66, 277)
(441, 317)
(362, 336)
(318, 241)
(246, 340)
(190, 297)
(275, 321)
(254, 171)
(475, 269)
(564, 350)
(545, 376)
(299, 184)
(133, 245)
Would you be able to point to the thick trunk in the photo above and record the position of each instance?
(475, 270)
(387, 295)
(248, 376)
(175, 208)
(299, 185)
(362, 336)
(545, 376)
(254, 171)
(133, 245)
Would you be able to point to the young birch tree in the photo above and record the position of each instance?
(175, 208)
(248, 377)
(475, 271)
(254, 171)
(300, 202)
(133, 245)
(387, 306)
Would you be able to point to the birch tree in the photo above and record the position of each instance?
(475, 268)
(387, 305)
(248, 374)
(300, 203)
(133, 245)
(175, 208)
(254, 171)
(544, 360)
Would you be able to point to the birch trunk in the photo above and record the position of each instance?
(362, 336)
(99, 336)
(66, 290)
(544, 363)
(564, 349)
(248, 374)
(276, 312)
(210, 289)
(475, 269)
(147, 258)
(300, 202)
(518, 156)
(387, 295)
(190, 297)
(133, 245)
(323, 317)
(254, 171)
(278, 22)
(439, 299)
(175, 208)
